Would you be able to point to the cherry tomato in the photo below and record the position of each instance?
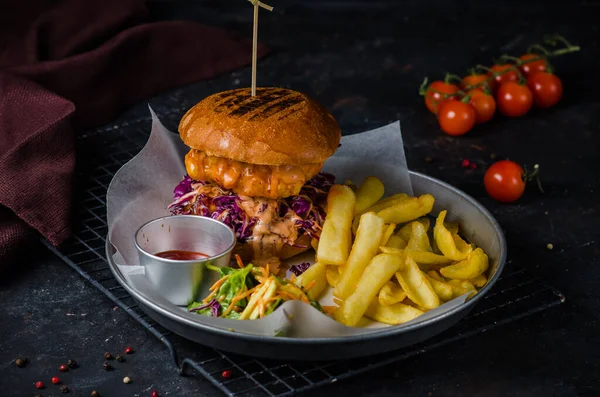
(508, 76)
(474, 79)
(514, 99)
(484, 105)
(504, 181)
(533, 66)
(546, 87)
(433, 98)
(456, 117)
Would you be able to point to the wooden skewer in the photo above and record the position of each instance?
(254, 49)
(267, 7)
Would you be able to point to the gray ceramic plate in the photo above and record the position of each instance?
(476, 224)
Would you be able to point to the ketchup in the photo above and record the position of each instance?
(179, 255)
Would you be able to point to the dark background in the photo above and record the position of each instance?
(365, 60)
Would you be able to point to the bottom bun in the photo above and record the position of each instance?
(246, 251)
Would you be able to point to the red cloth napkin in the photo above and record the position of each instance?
(72, 64)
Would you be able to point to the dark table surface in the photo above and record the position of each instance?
(364, 60)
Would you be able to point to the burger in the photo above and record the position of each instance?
(255, 164)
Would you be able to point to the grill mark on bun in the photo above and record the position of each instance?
(233, 100)
(289, 103)
(254, 103)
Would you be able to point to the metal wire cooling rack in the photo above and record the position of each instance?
(516, 294)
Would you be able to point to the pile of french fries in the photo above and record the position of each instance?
(385, 260)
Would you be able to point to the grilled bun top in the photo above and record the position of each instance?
(278, 126)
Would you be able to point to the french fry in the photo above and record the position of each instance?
(381, 268)
(388, 231)
(417, 286)
(474, 265)
(368, 193)
(479, 281)
(391, 293)
(406, 231)
(332, 275)
(350, 184)
(451, 227)
(396, 242)
(410, 303)
(423, 258)
(314, 273)
(462, 245)
(419, 241)
(388, 202)
(461, 287)
(435, 275)
(395, 314)
(408, 209)
(441, 288)
(446, 241)
(380, 205)
(368, 237)
(334, 243)
(314, 243)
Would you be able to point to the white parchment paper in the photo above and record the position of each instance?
(141, 190)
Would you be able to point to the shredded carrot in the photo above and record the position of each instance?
(238, 259)
(288, 295)
(208, 298)
(273, 299)
(310, 285)
(236, 299)
(300, 290)
(218, 283)
(293, 278)
(329, 309)
(285, 294)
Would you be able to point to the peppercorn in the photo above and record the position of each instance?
(128, 350)
(55, 380)
(72, 364)
(107, 356)
(21, 362)
(64, 389)
(107, 366)
(465, 163)
(39, 384)
(126, 380)
(119, 358)
(95, 393)
(473, 166)
(63, 368)
(154, 393)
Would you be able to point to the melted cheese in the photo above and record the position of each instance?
(249, 179)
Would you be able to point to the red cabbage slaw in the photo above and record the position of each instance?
(224, 206)
(299, 268)
(213, 305)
